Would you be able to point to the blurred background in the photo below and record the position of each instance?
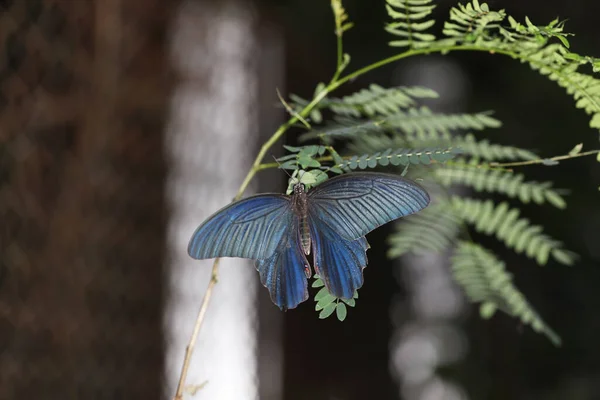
(125, 123)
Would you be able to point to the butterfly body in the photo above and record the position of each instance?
(329, 223)
(300, 207)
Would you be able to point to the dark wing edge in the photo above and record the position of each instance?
(249, 228)
(355, 204)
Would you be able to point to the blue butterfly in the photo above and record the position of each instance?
(331, 221)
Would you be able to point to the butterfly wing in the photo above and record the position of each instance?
(249, 228)
(338, 261)
(355, 204)
(284, 272)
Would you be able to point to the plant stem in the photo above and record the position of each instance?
(190, 347)
(542, 161)
(335, 6)
(462, 47)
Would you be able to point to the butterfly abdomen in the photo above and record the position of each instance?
(300, 205)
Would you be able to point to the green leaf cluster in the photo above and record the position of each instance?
(475, 27)
(410, 22)
(399, 132)
(326, 303)
(393, 128)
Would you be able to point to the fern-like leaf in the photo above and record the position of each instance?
(372, 141)
(343, 128)
(423, 124)
(485, 280)
(376, 100)
(410, 22)
(499, 181)
(399, 157)
(472, 22)
(585, 89)
(485, 150)
(475, 26)
(517, 233)
(342, 22)
(481, 149)
(432, 229)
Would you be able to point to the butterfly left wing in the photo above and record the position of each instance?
(249, 228)
(355, 204)
(284, 272)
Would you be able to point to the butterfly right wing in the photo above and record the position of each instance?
(250, 228)
(355, 204)
(338, 261)
(284, 273)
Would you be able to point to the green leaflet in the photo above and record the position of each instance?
(475, 26)
(327, 304)
(485, 280)
(433, 229)
(468, 144)
(376, 100)
(517, 233)
(397, 157)
(499, 181)
(410, 22)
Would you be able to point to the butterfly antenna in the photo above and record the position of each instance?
(278, 163)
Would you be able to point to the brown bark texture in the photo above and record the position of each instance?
(84, 92)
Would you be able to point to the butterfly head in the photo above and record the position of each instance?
(299, 188)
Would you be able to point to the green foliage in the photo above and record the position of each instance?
(517, 233)
(397, 157)
(301, 157)
(499, 181)
(391, 127)
(373, 141)
(410, 22)
(343, 128)
(474, 26)
(377, 100)
(327, 303)
(422, 122)
(371, 101)
(387, 133)
(485, 280)
(472, 23)
(341, 18)
(433, 229)
(485, 150)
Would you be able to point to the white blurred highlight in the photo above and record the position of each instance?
(212, 124)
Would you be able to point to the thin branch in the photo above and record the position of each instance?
(544, 160)
(190, 347)
(462, 47)
(291, 111)
(336, 6)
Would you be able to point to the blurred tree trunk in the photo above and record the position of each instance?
(84, 89)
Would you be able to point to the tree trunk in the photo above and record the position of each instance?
(83, 102)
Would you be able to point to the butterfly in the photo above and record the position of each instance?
(329, 223)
